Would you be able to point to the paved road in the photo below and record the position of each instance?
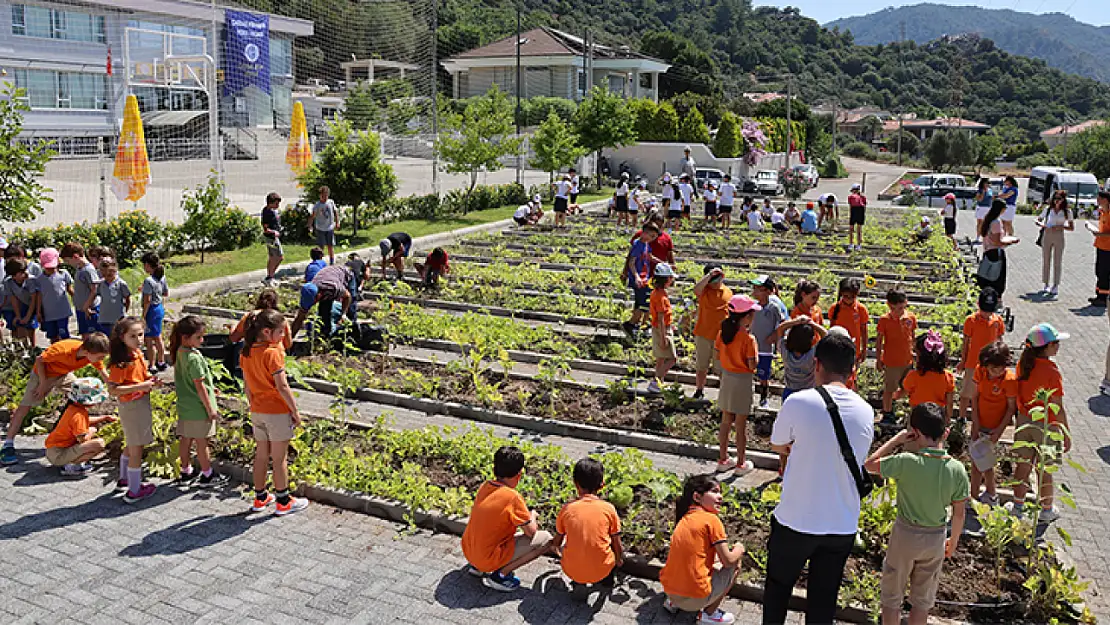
(875, 177)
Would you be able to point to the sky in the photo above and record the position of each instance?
(1089, 11)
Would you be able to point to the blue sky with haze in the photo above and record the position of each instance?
(1095, 12)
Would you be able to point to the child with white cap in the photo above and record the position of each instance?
(662, 318)
(73, 442)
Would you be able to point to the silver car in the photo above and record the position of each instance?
(767, 182)
(809, 172)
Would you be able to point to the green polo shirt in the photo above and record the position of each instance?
(928, 482)
(190, 366)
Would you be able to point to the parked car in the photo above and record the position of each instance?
(809, 172)
(939, 185)
(767, 182)
(705, 174)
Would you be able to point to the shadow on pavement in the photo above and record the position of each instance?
(183, 537)
(1104, 453)
(1088, 311)
(458, 589)
(1099, 405)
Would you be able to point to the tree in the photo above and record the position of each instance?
(645, 111)
(988, 149)
(204, 209)
(556, 145)
(604, 121)
(872, 126)
(729, 142)
(351, 167)
(21, 163)
(359, 107)
(910, 144)
(666, 123)
(937, 150)
(692, 128)
(1090, 149)
(961, 148)
(480, 137)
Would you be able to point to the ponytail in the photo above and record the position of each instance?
(155, 262)
(268, 298)
(1029, 357)
(694, 485)
(268, 319)
(186, 326)
(730, 327)
(805, 287)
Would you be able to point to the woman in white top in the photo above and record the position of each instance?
(994, 244)
(1054, 221)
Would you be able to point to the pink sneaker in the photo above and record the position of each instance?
(145, 490)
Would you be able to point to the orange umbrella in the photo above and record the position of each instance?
(132, 172)
(299, 153)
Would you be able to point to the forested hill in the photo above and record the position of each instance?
(721, 47)
(1056, 38)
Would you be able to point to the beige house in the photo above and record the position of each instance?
(1057, 135)
(555, 64)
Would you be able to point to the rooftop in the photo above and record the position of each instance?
(1071, 130)
(203, 11)
(545, 41)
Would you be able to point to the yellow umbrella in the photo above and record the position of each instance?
(299, 153)
(132, 171)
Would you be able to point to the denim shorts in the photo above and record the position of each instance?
(33, 324)
(87, 324)
(763, 368)
(642, 298)
(56, 329)
(154, 317)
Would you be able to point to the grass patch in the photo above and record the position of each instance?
(187, 268)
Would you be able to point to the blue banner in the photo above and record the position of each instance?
(246, 52)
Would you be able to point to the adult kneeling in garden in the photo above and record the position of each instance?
(333, 283)
(395, 248)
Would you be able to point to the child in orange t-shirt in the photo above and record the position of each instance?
(690, 578)
(588, 529)
(502, 535)
(929, 382)
(806, 296)
(894, 348)
(274, 412)
(980, 329)
(993, 405)
(130, 382)
(851, 315)
(72, 442)
(267, 298)
(739, 354)
(662, 338)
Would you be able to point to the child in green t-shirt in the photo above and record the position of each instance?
(929, 482)
(196, 400)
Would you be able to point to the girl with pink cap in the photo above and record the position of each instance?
(738, 354)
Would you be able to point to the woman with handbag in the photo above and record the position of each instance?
(992, 268)
(1053, 222)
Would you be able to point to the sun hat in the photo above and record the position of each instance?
(764, 281)
(386, 246)
(48, 258)
(742, 304)
(1044, 333)
(988, 300)
(88, 391)
(949, 196)
(663, 270)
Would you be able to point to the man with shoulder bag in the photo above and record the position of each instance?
(824, 434)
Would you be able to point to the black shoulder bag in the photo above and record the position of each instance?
(863, 483)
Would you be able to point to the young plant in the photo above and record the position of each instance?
(1001, 528)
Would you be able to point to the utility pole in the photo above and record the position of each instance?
(902, 58)
(789, 97)
(518, 87)
(900, 138)
(435, 99)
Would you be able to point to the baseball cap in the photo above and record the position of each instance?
(308, 296)
(839, 331)
(856, 186)
(742, 304)
(764, 281)
(924, 220)
(385, 245)
(949, 196)
(1044, 333)
(663, 270)
(536, 198)
(988, 300)
(809, 205)
(48, 258)
(88, 391)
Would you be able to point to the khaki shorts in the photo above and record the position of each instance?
(191, 428)
(274, 248)
(524, 546)
(892, 378)
(1036, 434)
(272, 427)
(662, 345)
(29, 400)
(967, 384)
(736, 392)
(137, 417)
(705, 355)
(61, 456)
(722, 582)
(915, 555)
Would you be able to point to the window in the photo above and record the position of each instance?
(36, 21)
(281, 57)
(62, 90)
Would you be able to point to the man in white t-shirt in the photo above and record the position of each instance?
(728, 196)
(817, 517)
(562, 200)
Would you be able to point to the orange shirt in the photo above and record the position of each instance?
(980, 331)
(128, 374)
(1103, 243)
(1046, 375)
(61, 358)
(70, 428)
(814, 313)
(693, 551)
(589, 523)
(931, 387)
(897, 333)
(487, 541)
(852, 318)
(241, 328)
(712, 310)
(993, 395)
(735, 356)
(259, 367)
(660, 304)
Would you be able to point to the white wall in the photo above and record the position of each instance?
(654, 158)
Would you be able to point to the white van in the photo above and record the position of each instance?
(1082, 187)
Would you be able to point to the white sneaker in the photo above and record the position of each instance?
(653, 387)
(1044, 290)
(1015, 507)
(725, 465)
(747, 467)
(987, 498)
(719, 617)
(1048, 515)
(1104, 387)
(1054, 291)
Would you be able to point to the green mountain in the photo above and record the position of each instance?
(1059, 40)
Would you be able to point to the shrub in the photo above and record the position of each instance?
(294, 223)
(1039, 159)
(212, 223)
(130, 234)
(858, 149)
(831, 167)
(537, 109)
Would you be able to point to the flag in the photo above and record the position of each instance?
(132, 171)
(298, 155)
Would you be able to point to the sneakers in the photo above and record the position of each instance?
(161, 367)
(121, 483)
(1104, 387)
(295, 504)
(1098, 302)
(1044, 290)
(889, 420)
(987, 498)
(669, 606)
(764, 404)
(501, 583)
(747, 467)
(1048, 515)
(718, 617)
(1015, 507)
(77, 470)
(8, 456)
(725, 465)
(258, 505)
(146, 490)
(700, 393)
(216, 479)
(1053, 292)
(653, 387)
(473, 572)
(186, 478)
